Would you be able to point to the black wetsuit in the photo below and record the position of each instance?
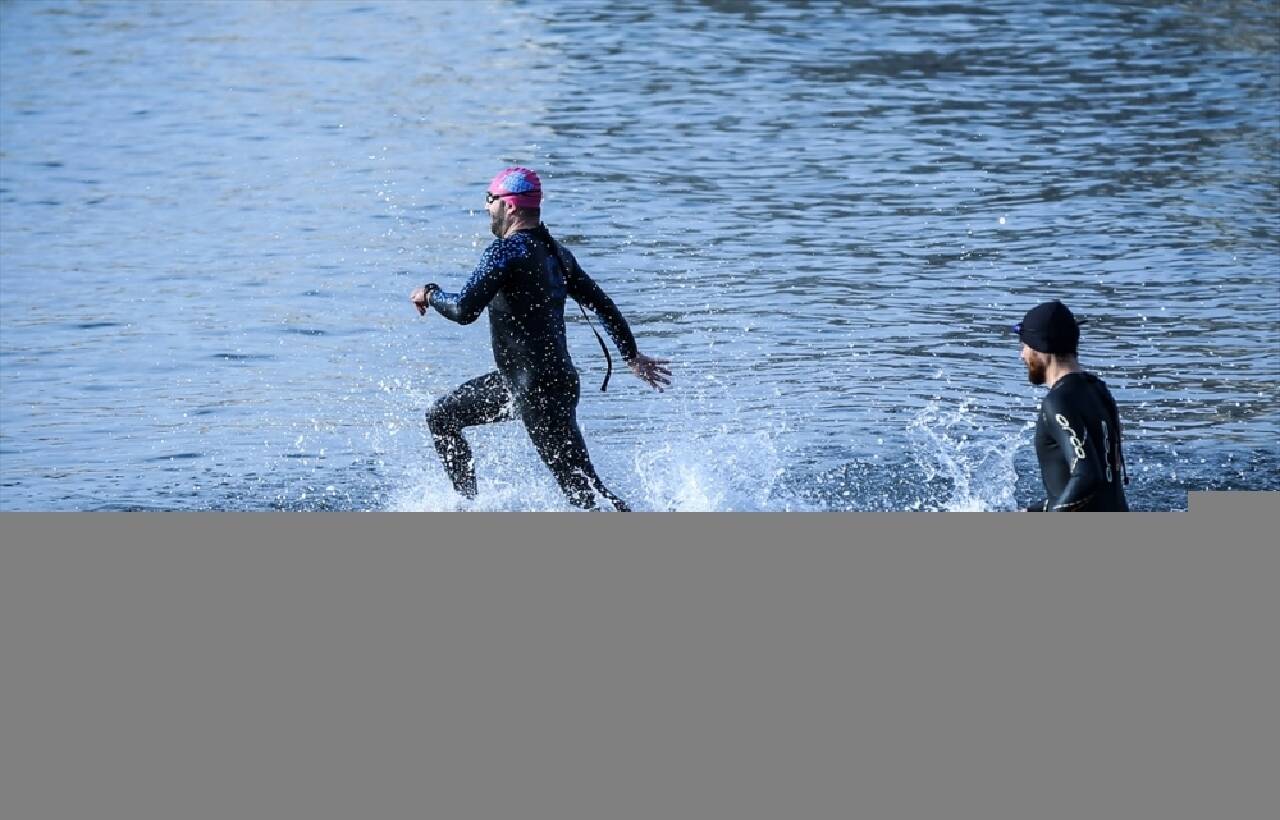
(1078, 444)
(524, 280)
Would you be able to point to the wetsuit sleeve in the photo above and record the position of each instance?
(587, 293)
(1086, 477)
(485, 282)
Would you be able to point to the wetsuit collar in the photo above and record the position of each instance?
(1064, 377)
(525, 229)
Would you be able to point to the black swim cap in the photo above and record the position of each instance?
(1050, 328)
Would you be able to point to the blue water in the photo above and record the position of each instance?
(825, 214)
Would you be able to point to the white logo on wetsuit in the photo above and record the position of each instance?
(1106, 447)
(1075, 440)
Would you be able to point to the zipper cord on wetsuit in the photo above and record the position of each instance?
(545, 235)
(608, 360)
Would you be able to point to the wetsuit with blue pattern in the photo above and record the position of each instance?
(524, 280)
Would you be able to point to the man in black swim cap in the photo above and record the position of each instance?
(1078, 430)
(523, 279)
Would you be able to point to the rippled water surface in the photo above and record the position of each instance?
(826, 215)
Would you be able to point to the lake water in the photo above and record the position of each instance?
(825, 214)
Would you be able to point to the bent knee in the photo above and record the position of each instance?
(440, 421)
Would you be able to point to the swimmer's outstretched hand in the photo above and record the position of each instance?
(653, 372)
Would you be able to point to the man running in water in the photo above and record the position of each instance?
(523, 278)
(1078, 430)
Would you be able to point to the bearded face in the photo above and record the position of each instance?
(1037, 365)
(498, 218)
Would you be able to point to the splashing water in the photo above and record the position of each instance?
(509, 477)
(727, 471)
(724, 469)
(953, 445)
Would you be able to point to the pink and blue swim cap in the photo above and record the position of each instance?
(522, 184)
